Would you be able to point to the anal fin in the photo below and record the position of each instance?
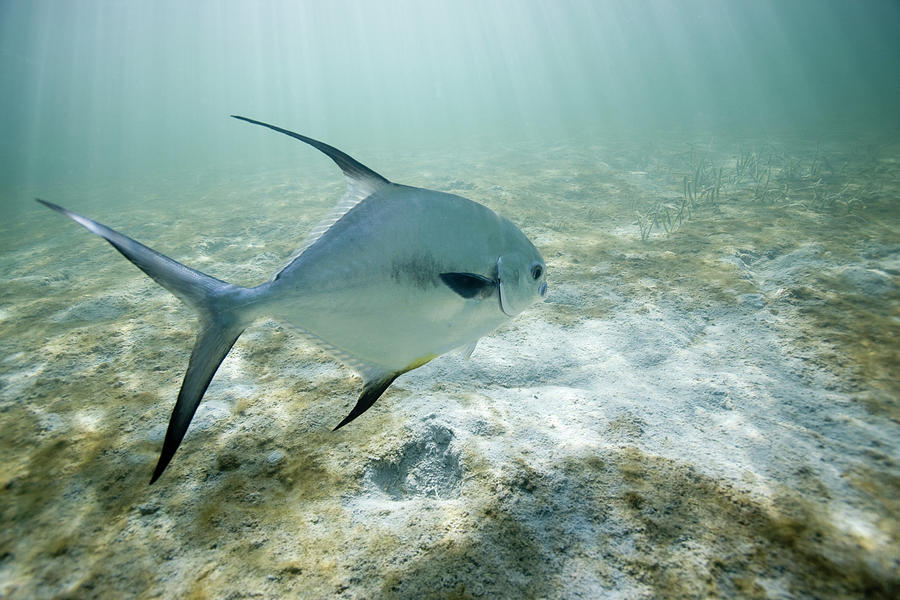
(372, 391)
(376, 382)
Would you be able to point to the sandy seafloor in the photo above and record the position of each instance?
(705, 413)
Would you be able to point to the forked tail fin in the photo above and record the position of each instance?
(212, 345)
(220, 322)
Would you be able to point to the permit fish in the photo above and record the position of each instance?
(394, 277)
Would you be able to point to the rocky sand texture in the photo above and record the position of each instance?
(707, 412)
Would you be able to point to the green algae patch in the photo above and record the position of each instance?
(499, 557)
(695, 536)
(862, 335)
(674, 531)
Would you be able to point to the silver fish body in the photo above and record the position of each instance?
(371, 286)
(396, 276)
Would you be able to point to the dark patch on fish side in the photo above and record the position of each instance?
(469, 285)
(420, 270)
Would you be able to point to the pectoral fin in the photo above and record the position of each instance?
(468, 285)
(468, 350)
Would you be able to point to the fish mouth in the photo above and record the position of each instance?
(543, 289)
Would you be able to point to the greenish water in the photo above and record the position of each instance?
(706, 404)
(95, 90)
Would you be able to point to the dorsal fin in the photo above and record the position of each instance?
(361, 183)
(351, 167)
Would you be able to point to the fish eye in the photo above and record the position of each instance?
(536, 271)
